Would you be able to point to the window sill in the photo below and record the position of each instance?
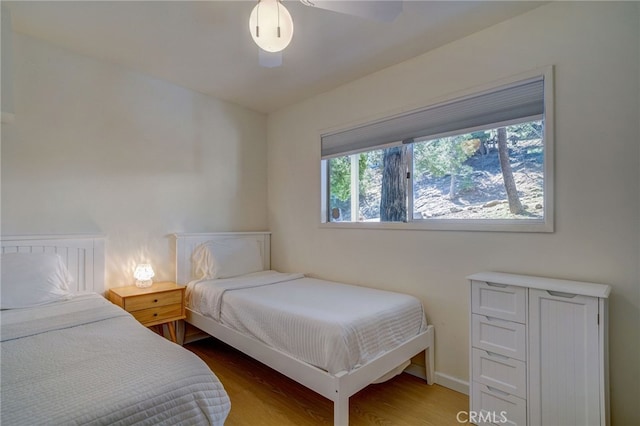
(524, 225)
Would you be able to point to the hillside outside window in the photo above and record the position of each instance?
(481, 162)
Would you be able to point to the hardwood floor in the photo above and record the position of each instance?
(262, 396)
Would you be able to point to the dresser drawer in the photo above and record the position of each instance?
(158, 314)
(499, 301)
(502, 337)
(493, 407)
(143, 301)
(500, 372)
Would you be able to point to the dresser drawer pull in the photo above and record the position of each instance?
(498, 391)
(155, 300)
(497, 285)
(155, 314)
(495, 355)
(561, 294)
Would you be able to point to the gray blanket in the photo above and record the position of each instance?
(87, 361)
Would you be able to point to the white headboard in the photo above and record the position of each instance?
(84, 255)
(186, 244)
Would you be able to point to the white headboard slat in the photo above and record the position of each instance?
(186, 244)
(84, 255)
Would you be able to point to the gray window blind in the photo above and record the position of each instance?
(506, 104)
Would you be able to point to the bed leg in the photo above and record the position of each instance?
(180, 332)
(429, 355)
(341, 412)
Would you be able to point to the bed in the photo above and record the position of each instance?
(318, 333)
(71, 357)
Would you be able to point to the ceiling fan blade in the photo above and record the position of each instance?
(269, 59)
(385, 11)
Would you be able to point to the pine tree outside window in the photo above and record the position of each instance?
(481, 162)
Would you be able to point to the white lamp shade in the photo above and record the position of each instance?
(143, 274)
(271, 26)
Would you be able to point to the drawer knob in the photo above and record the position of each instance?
(155, 300)
(155, 314)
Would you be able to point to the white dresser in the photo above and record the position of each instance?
(538, 351)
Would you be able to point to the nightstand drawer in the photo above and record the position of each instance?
(161, 303)
(143, 301)
(159, 314)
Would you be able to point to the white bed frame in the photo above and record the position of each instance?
(84, 255)
(339, 387)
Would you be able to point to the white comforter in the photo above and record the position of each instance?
(86, 361)
(336, 327)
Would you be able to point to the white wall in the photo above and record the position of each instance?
(594, 48)
(6, 64)
(96, 148)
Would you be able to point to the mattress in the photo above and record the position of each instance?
(335, 327)
(86, 361)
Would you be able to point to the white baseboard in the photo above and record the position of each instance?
(452, 383)
(416, 370)
(445, 380)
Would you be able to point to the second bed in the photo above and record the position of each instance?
(332, 338)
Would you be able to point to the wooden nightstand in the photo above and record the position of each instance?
(162, 303)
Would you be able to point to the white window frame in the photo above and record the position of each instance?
(546, 224)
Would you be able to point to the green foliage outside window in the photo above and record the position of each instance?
(461, 169)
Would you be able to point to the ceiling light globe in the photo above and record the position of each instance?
(263, 25)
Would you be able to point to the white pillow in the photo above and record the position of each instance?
(32, 279)
(226, 258)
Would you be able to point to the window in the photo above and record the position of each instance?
(481, 162)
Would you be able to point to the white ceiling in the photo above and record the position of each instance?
(206, 46)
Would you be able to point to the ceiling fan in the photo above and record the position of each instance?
(271, 25)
